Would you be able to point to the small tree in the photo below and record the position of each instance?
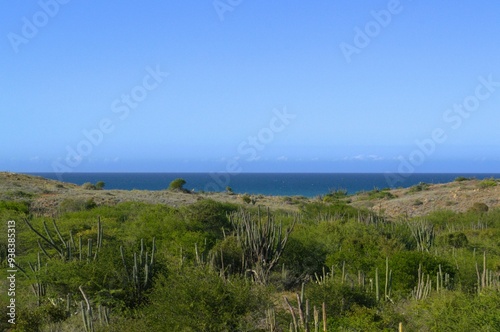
(99, 185)
(88, 186)
(177, 184)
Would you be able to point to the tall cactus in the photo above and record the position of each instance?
(303, 309)
(423, 287)
(423, 233)
(141, 273)
(262, 240)
(65, 248)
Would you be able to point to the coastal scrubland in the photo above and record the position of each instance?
(424, 258)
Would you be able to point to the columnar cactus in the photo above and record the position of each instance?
(262, 240)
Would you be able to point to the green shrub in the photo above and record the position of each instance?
(18, 194)
(302, 258)
(361, 318)
(462, 178)
(209, 216)
(228, 254)
(418, 187)
(362, 247)
(487, 183)
(29, 320)
(478, 207)
(335, 195)
(417, 202)
(246, 198)
(88, 186)
(455, 240)
(405, 265)
(22, 207)
(198, 299)
(76, 204)
(380, 194)
(177, 184)
(324, 211)
(339, 298)
(456, 311)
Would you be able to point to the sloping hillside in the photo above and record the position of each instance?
(47, 195)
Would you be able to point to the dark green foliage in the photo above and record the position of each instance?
(456, 311)
(442, 218)
(479, 207)
(177, 184)
(419, 187)
(88, 186)
(17, 195)
(29, 320)
(246, 199)
(74, 205)
(325, 211)
(302, 258)
(229, 256)
(198, 299)
(335, 195)
(380, 194)
(22, 207)
(462, 178)
(456, 240)
(209, 216)
(487, 183)
(362, 247)
(361, 318)
(405, 265)
(339, 297)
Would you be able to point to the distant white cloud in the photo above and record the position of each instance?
(363, 157)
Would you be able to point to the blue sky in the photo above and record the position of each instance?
(329, 86)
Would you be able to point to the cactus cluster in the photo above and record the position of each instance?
(39, 288)
(141, 272)
(423, 233)
(88, 313)
(487, 278)
(303, 323)
(65, 248)
(262, 239)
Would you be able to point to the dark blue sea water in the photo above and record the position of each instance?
(283, 184)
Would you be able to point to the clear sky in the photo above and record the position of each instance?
(244, 86)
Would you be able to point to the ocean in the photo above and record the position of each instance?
(276, 184)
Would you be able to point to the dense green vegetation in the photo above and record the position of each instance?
(214, 266)
(177, 184)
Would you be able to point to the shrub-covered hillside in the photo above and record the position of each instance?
(322, 264)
